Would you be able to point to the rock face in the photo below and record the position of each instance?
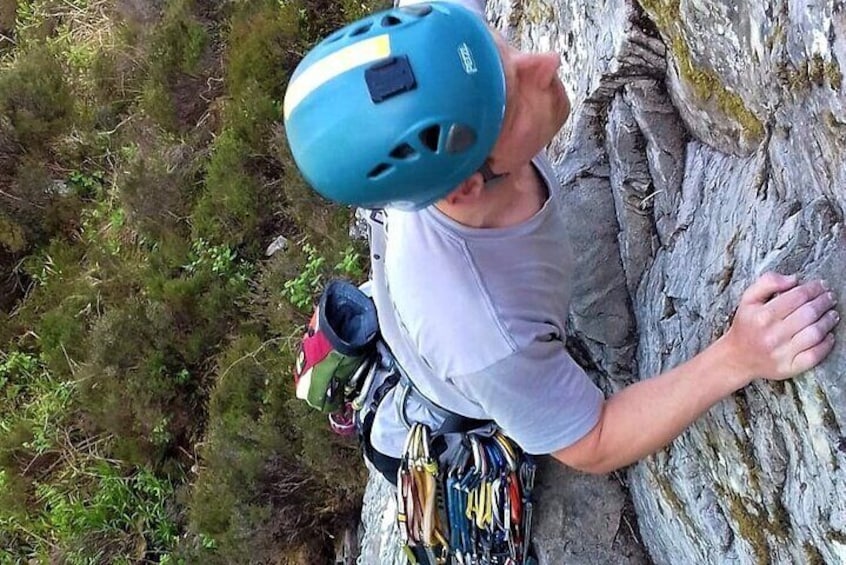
(706, 146)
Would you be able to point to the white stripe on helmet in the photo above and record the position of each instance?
(326, 69)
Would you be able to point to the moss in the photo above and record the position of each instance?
(779, 388)
(776, 36)
(538, 12)
(754, 523)
(779, 522)
(744, 446)
(665, 13)
(747, 456)
(741, 410)
(834, 75)
(705, 84)
(821, 72)
(828, 416)
(812, 555)
(673, 500)
(750, 527)
(814, 72)
(711, 443)
(836, 536)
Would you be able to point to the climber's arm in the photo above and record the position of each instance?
(780, 330)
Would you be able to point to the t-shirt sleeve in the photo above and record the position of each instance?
(538, 395)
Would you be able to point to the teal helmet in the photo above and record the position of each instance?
(398, 108)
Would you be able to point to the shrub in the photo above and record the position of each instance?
(155, 185)
(117, 514)
(60, 307)
(12, 235)
(149, 318)
(175, 51)
(260, 41)
(256, 488)
(35, 96)
(8, 9)
(32, 206)
(229, 211)
(323, 221)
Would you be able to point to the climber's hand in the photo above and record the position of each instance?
(782, 328)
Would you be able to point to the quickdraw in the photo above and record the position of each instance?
(486, 495)
(418, 518)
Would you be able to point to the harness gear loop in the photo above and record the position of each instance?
(487, 502)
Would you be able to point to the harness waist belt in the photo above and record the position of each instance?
(452, 422)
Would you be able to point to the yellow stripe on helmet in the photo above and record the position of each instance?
(326, 69)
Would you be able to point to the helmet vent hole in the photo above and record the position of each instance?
(418, 10)
(333, 38)
(390, 21)
(361, 29)
(379, 170)
(460, 138)
(403, 151)
(430, 137)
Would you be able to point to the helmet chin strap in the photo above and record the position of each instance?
(490, 177)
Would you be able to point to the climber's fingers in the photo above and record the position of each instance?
(810, 322)
(782, 328)
(802, 305)
(809, 358)
(766, 286)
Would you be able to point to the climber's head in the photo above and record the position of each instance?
(400, 107)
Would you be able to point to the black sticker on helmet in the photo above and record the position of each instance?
(388, 78)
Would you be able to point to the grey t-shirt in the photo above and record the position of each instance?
(476, 317)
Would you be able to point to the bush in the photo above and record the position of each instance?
(36, 207)
(36, 97)
(155, 186)
(256, 487)
(60, 306)
(229, 211)
(322, 220)
(176, 48)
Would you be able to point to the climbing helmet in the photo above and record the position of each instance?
(398, 108)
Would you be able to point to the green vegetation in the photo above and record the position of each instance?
(146, 343)
(704, 83)
(756, 525)
(813, 555)
(815, 72)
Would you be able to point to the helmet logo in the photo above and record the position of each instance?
(467, 60)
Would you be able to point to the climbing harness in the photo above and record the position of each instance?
(486, 493)
(468, 502)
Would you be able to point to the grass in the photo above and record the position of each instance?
(146, 403)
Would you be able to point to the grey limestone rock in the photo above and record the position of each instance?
(705, 147)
